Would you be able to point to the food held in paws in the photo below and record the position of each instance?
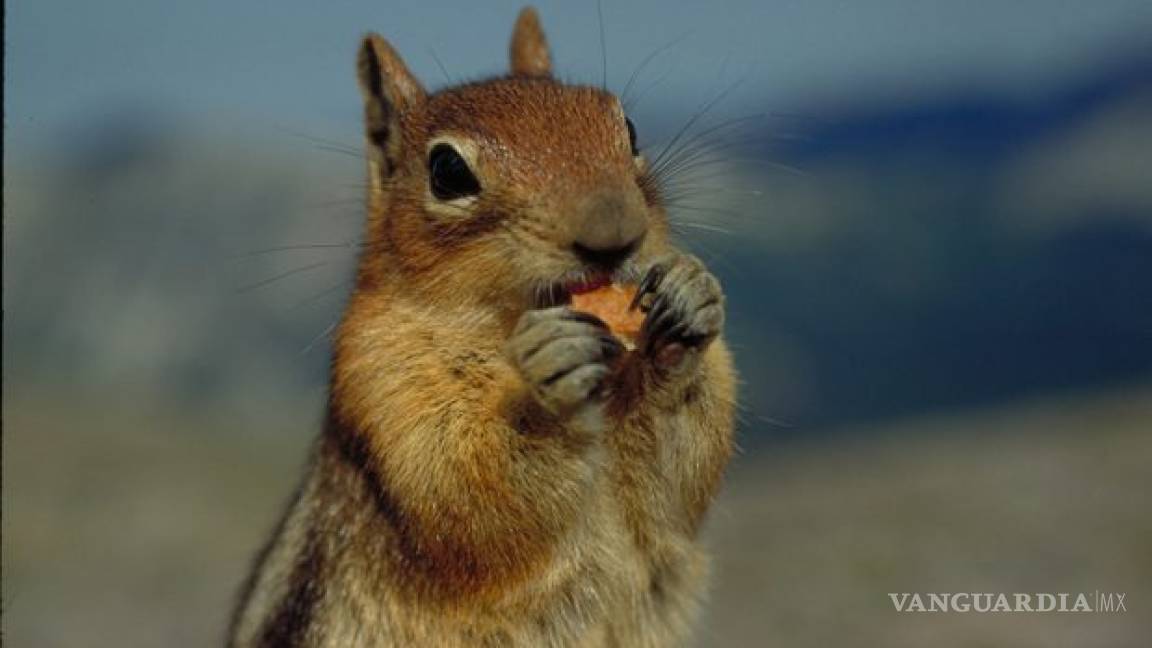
(611, 303)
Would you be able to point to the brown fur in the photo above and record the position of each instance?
(445, 505)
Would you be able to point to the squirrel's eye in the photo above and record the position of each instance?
(449, 174)
(632, 136)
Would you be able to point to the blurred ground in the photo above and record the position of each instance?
(1047, 496)
(117, 535)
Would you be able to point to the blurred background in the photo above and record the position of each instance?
(933, 220)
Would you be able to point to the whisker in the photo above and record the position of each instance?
(655, 83)
(290, 248)
(327, 292)
(284, 275)
(696, 178)
(603, 46)
(359, 155)
(718, 211)
(723, 142)
(717, 128)
(684, 191)
(644, 64)
(702, 226)
(704, 163)
(340, 202)
(695, 118)
(720, 148)
(327, 330)
(718, 258)
(440, 64)
(324, 143)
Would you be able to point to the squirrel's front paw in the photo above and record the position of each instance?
(565, 357)
(685, 306)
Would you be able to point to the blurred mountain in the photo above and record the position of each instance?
(951, 254)
(197, 268)
(969, 129)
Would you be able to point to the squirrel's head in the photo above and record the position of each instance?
(512, 191)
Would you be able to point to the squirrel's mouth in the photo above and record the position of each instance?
(559, 292)
(586, 285)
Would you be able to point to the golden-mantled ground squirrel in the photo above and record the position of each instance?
(497, 468)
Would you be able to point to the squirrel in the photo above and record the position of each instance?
(497, 468)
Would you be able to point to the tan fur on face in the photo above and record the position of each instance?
(534, 172)
(444, 505)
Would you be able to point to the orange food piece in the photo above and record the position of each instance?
(610, 304)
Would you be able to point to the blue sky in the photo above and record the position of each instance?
(251, 64)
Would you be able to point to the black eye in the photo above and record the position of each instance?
(632, 136)
(449, 174)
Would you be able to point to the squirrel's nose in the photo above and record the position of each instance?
(611, 230)
(606, 257)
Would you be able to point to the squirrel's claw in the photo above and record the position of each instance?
(687, 310)
(564, 356)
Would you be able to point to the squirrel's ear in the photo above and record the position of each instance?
(530, 55)
(389, 90)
